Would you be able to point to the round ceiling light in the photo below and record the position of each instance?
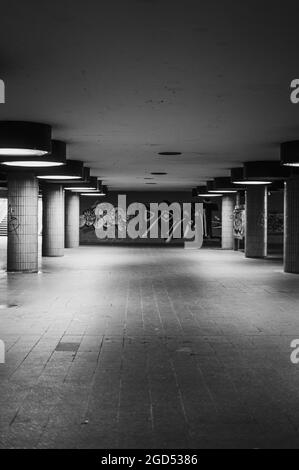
(22, 152)
(169, 153)
(56, 158)
(93, 194)
(209, 195)
(58, 177)
(252, 182)
(289, 153)
(21, 138)
(238, 177)
(72, 170)
(79, 189)
(90, 184)
(259, 173)
(202, 191)
(221, 185)
(224, 191)
(31, 163)
(103, 190)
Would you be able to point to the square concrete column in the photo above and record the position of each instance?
(256, 222)
(53, 220)
(227, 222)
(72, 215)
(22, 226)
(291, 226)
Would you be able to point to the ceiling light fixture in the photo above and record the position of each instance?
(259, 173)
(222, 185)
(224, 191)
(103, 190)
(93, 194)
(56, 158)
(58, 177)
(71, 171)
(169, 153)
(31, 164)
(209, 195)
(92, 184)
(252, 182)
(80, 189)
(24, 139)
(239, 177)
(289, 153)
(202, 191)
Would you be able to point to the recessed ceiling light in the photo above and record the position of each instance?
(19, 138)
(56, 158)
(289, 153)
(209, 195)
(79, 189)
(58, 177)
(251, 182)
(170, 153)
(73, 169)
(18, 152)
(33, 164)
(224, 191)
(93, 194)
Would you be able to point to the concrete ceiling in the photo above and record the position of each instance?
(123, 80)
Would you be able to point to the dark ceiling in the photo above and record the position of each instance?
(123, 80)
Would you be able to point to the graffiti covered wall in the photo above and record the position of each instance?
(93, 219)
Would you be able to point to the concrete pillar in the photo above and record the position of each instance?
(291, 226)
(227, 217)
(22, 231)
(256, 222)
(53, 220)
(72, 214)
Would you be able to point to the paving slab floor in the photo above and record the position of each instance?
(127, 347)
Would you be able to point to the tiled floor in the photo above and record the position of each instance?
(114, 347)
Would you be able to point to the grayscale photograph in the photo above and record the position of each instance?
(149, 231)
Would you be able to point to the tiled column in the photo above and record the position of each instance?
(291, 226)
(72, 203)
(53, 220)
(256, 222)
(228, 205)
(22, 231)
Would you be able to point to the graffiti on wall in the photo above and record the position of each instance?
(164, 221)
(12, 220)
(239, 223)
